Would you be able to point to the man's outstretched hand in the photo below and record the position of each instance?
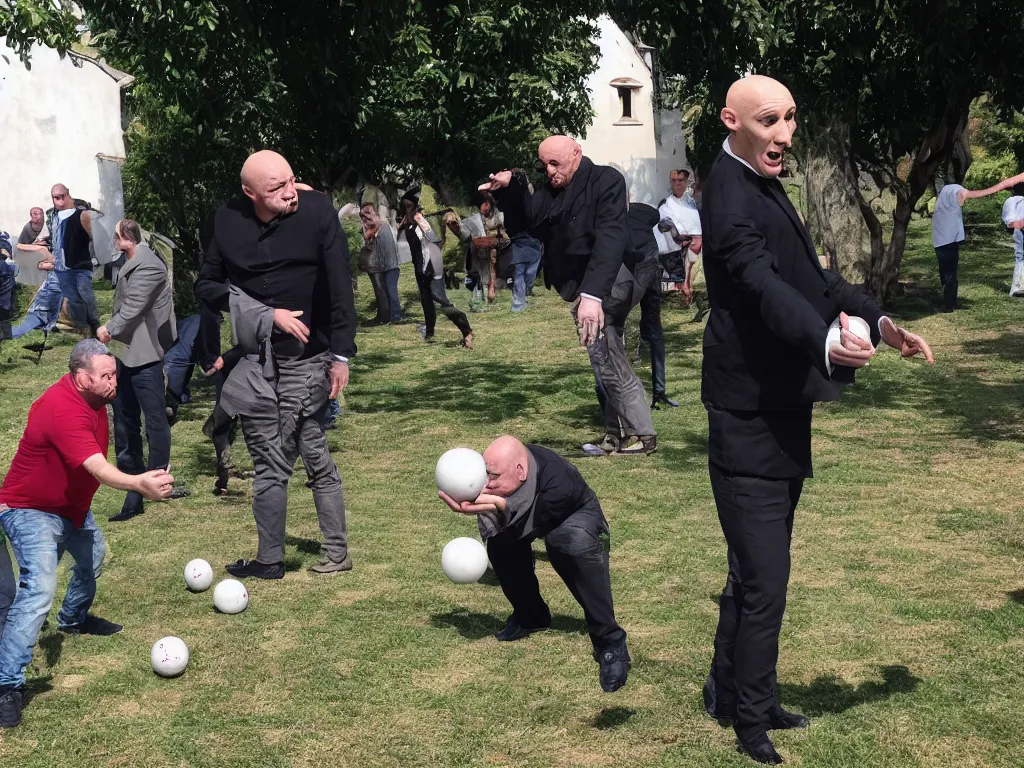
(909, 344)
(485, 502)
(497, 181)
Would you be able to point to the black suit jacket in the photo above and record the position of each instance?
(582, 227)
(771, 301)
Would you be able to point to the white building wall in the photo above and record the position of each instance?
(645, 151)
(56, 120)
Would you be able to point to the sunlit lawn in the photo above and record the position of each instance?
(904, 631)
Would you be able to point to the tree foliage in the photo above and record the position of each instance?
(895, 76)
(24, 23)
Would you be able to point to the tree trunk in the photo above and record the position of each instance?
(833, 214)
(936, 151)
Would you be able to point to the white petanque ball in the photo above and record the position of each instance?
(859, 327)
(461, 473)
(464, 560)
(169, 656)
(229, 596)
(198, 575)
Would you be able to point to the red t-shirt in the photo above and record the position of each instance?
(63, 431)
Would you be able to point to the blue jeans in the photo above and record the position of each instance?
(76, 285)
(179, 363)
(8, 585)
(39, 539)
(44, 310)
(526, 262)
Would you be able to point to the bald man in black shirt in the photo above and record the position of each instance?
(285, 250)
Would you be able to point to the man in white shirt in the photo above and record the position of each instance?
(948, 232)
(681, 210)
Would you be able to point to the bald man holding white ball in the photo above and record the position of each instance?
(769, 355)
(534, 493)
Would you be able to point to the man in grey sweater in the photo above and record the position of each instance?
(143, 323)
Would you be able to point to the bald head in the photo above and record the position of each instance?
(268, 181)
(761, 117)
(560, 156)
(61, 197)
(508, 465)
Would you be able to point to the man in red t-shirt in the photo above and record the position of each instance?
(44, 510)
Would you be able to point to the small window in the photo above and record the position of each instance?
(626, 102)
(626, 88)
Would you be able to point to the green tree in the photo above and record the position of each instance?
(350, 92)
(24, 23)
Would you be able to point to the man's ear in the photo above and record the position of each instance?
(730, 118)
(248, 192)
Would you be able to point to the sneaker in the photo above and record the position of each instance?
(609, 443)
(638, 445)
(614, 664)
(332, 566)
(243, 569)
(10, 708)
(515, 631)
(93, 625)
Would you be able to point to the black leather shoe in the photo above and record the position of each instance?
(615, 663)
(10, 708)
(515, 631)
(93, 625)
(661, 398)
(781, 720)
(127, 514)
(760, 749)
(243, 569)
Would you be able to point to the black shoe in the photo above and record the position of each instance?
(245, 568)
(514, 631)
(10, 708)
(93, 625)
(663, 398)
(127, 514)
(179, 492)
(615, 663)
(220, 486)
(781, 720)
(760, 749)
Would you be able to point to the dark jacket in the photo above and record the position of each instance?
(561, 490)
(582, 227)
(771, 301)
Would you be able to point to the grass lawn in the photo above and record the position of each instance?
(903, 638)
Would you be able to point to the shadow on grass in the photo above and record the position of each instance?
(1017, 596)
(477, 626)
(36, 687)
(611, 717)
(481, 392)
(829, 694)
(52, 646)
(306, 546)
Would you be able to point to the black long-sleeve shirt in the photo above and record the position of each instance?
(297, 262)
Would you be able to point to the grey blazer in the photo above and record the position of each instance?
(143, 319)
